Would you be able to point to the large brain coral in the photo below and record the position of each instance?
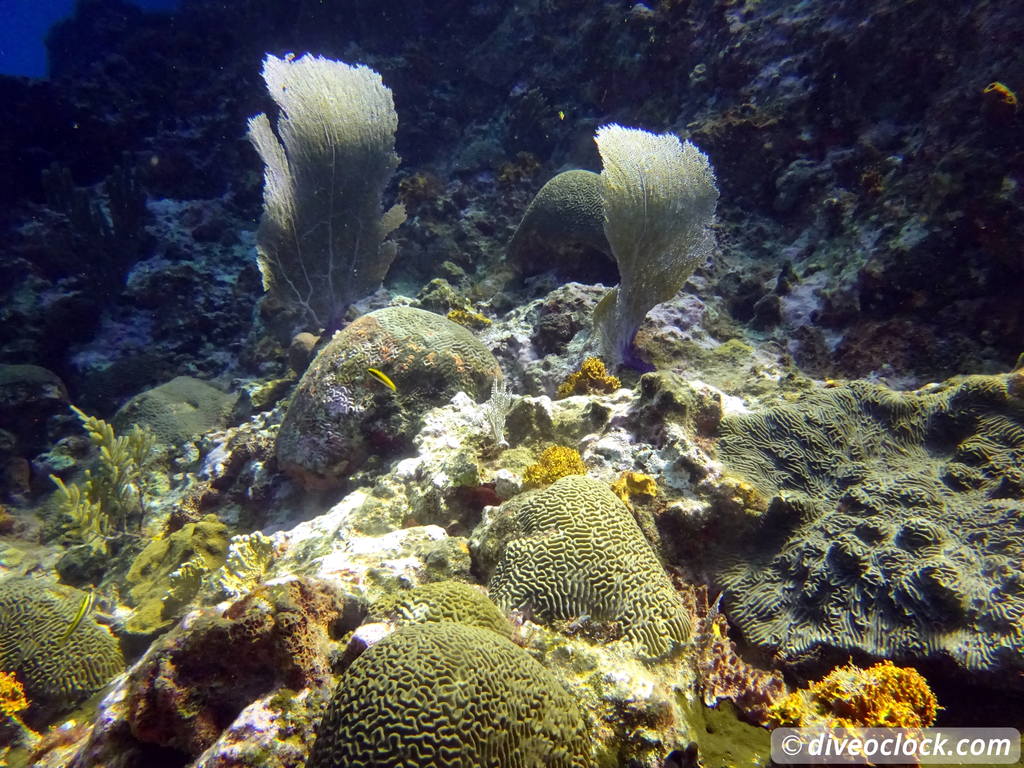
(35, 615)
(453, 601)
(444, 695)
(342, 414)
(895, 526)
(579, 552)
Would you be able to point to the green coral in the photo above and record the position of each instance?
(577, 551)
(172, 567)
(35, 616)
(443, 695)
(453, 601)
(107, 503)
(893, 526)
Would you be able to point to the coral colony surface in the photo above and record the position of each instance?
(508, 385)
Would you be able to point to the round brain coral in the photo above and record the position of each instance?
(34, 617)
(452, 601)
(581, 553)
(443, 695)
(343, 413)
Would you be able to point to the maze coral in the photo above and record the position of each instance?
(444, 695)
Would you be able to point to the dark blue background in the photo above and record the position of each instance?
(24, 27)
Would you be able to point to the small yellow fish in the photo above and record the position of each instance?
(561, 115)
(382, 378)
(83, 609)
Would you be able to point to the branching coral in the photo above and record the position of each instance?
(108, 501)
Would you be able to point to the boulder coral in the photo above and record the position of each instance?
(453, 601)
(342, 414)
(445, 695)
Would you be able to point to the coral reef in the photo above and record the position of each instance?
(893, 527)
(488, 703)
(575, 550)
(882, 696)
(340, 415)
(57, 671)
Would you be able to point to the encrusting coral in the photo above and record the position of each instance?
(445, 695)
(592, 377)
(555, 462)
(892, 526)
(882, 696)
(634, 484)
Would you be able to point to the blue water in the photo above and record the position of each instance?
(24, 28)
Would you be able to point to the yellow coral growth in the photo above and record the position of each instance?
(631, 484)
(1003, 93)
(556, 462)
(882, 696)
(468, 318)
(12, 696)
(592, 377)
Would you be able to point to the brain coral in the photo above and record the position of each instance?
(176, 411)
(443, 695)
(895, 525)
(579, 552)
(341, 414)
(567, 209)
(34, 616)
(453, 601)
